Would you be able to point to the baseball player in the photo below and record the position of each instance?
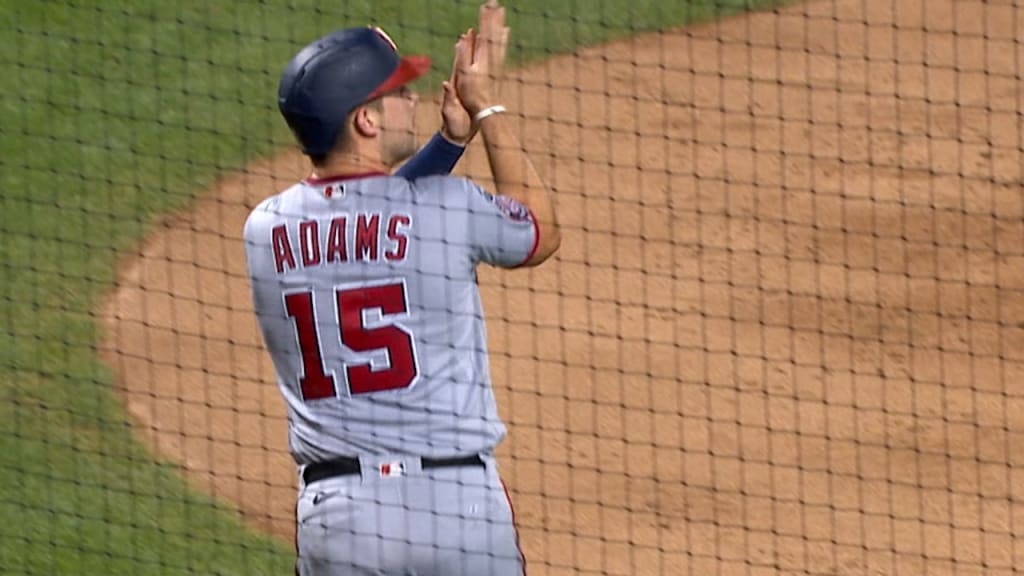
(364, 285)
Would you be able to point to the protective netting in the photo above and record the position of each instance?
(784, 333)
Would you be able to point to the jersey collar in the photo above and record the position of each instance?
(341, 178)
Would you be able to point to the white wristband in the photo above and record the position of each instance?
(489, 111)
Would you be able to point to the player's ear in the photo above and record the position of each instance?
(366, 121)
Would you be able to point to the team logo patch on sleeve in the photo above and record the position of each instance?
(510, 207)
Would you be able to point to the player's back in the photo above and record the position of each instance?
(366, 294)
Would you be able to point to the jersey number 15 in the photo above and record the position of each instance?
(351, 303)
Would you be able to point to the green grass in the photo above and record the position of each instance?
(112, 114)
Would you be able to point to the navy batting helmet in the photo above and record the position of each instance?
(332, 75)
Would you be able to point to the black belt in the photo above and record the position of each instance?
(349, 466)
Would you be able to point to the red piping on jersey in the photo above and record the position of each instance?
(341, 177)
(515, 528)
(536, 240)
(295, 540)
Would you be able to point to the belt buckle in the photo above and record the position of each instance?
(392, 469)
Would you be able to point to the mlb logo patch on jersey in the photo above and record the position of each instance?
(391, 469)
(510, 207)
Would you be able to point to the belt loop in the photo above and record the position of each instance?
(366, 468)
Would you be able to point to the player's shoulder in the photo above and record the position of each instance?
(267, 211)
(269, 205)
(446, 189)
(437, 192)
(444, 182)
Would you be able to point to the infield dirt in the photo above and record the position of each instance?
(784, 333)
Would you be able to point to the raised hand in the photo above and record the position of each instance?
(494, 33)
(493, 36)
(457, 125)
(473, 79)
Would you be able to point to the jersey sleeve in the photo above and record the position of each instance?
(500, 230)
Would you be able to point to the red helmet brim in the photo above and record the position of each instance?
(409, 69)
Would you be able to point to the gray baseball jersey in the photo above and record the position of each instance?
(365, 290)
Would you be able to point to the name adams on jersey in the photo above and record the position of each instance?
(360, 237)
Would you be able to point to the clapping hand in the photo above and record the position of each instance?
(491, 44)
